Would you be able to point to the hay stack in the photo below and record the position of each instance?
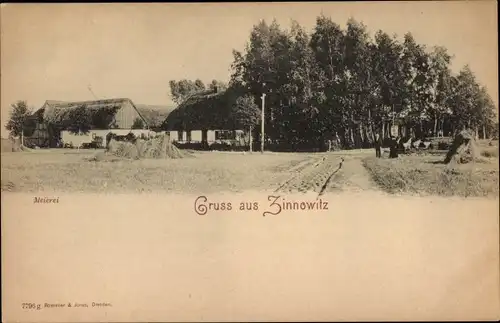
(6, 145)
(155, 148)
(123, 149)
(12, 145)
(160, 147)
(463, 149)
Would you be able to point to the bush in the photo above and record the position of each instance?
(489, 152)
(191, 145)
(443, 145)
(224, 146)
(219, 146)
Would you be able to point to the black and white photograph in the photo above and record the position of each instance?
(204, 161)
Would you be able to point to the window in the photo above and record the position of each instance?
(225, 135)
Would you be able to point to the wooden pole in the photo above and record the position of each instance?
(262, 124)
(250, 138)
(393, 115)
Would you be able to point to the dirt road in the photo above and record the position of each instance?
(330, 172)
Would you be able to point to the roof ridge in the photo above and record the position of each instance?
(87, 101)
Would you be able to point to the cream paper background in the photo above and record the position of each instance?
(369, 257)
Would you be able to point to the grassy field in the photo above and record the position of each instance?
(427, 174)
(63, 170)
(69, 171)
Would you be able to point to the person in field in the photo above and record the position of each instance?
(378, 146)
(393, 152)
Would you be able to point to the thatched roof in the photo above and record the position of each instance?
(102, 112)
(52, 106)
(154, 115)
(205, 110)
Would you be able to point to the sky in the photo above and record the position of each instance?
(125, 50)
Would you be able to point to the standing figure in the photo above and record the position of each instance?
(393, 153)
(109, 136)
(337, 142)
(378, 145)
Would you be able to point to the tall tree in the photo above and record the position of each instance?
(181, 90)
(466, 90)
(359, 80)
(327, 43)
(440, 74)
(417, 87)
(219, 85)
(298, 111)
(258, 59)
(264, 67)
(389, 77)
(199, 85)
(19, 120)
(239, 70)
(486, 118)
(246, 114)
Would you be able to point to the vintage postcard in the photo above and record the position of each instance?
(330, 161)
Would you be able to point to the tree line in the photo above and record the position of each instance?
(182, 89)
(336, 82)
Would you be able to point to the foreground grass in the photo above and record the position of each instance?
(489, 152)
(68, 171)
(428, 175)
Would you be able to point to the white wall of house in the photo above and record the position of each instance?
(212, 136)
(183, 136)
(173, 135)
(86, 138)
(196, 136)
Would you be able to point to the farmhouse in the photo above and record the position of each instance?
(60, 123)
(205, 117)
